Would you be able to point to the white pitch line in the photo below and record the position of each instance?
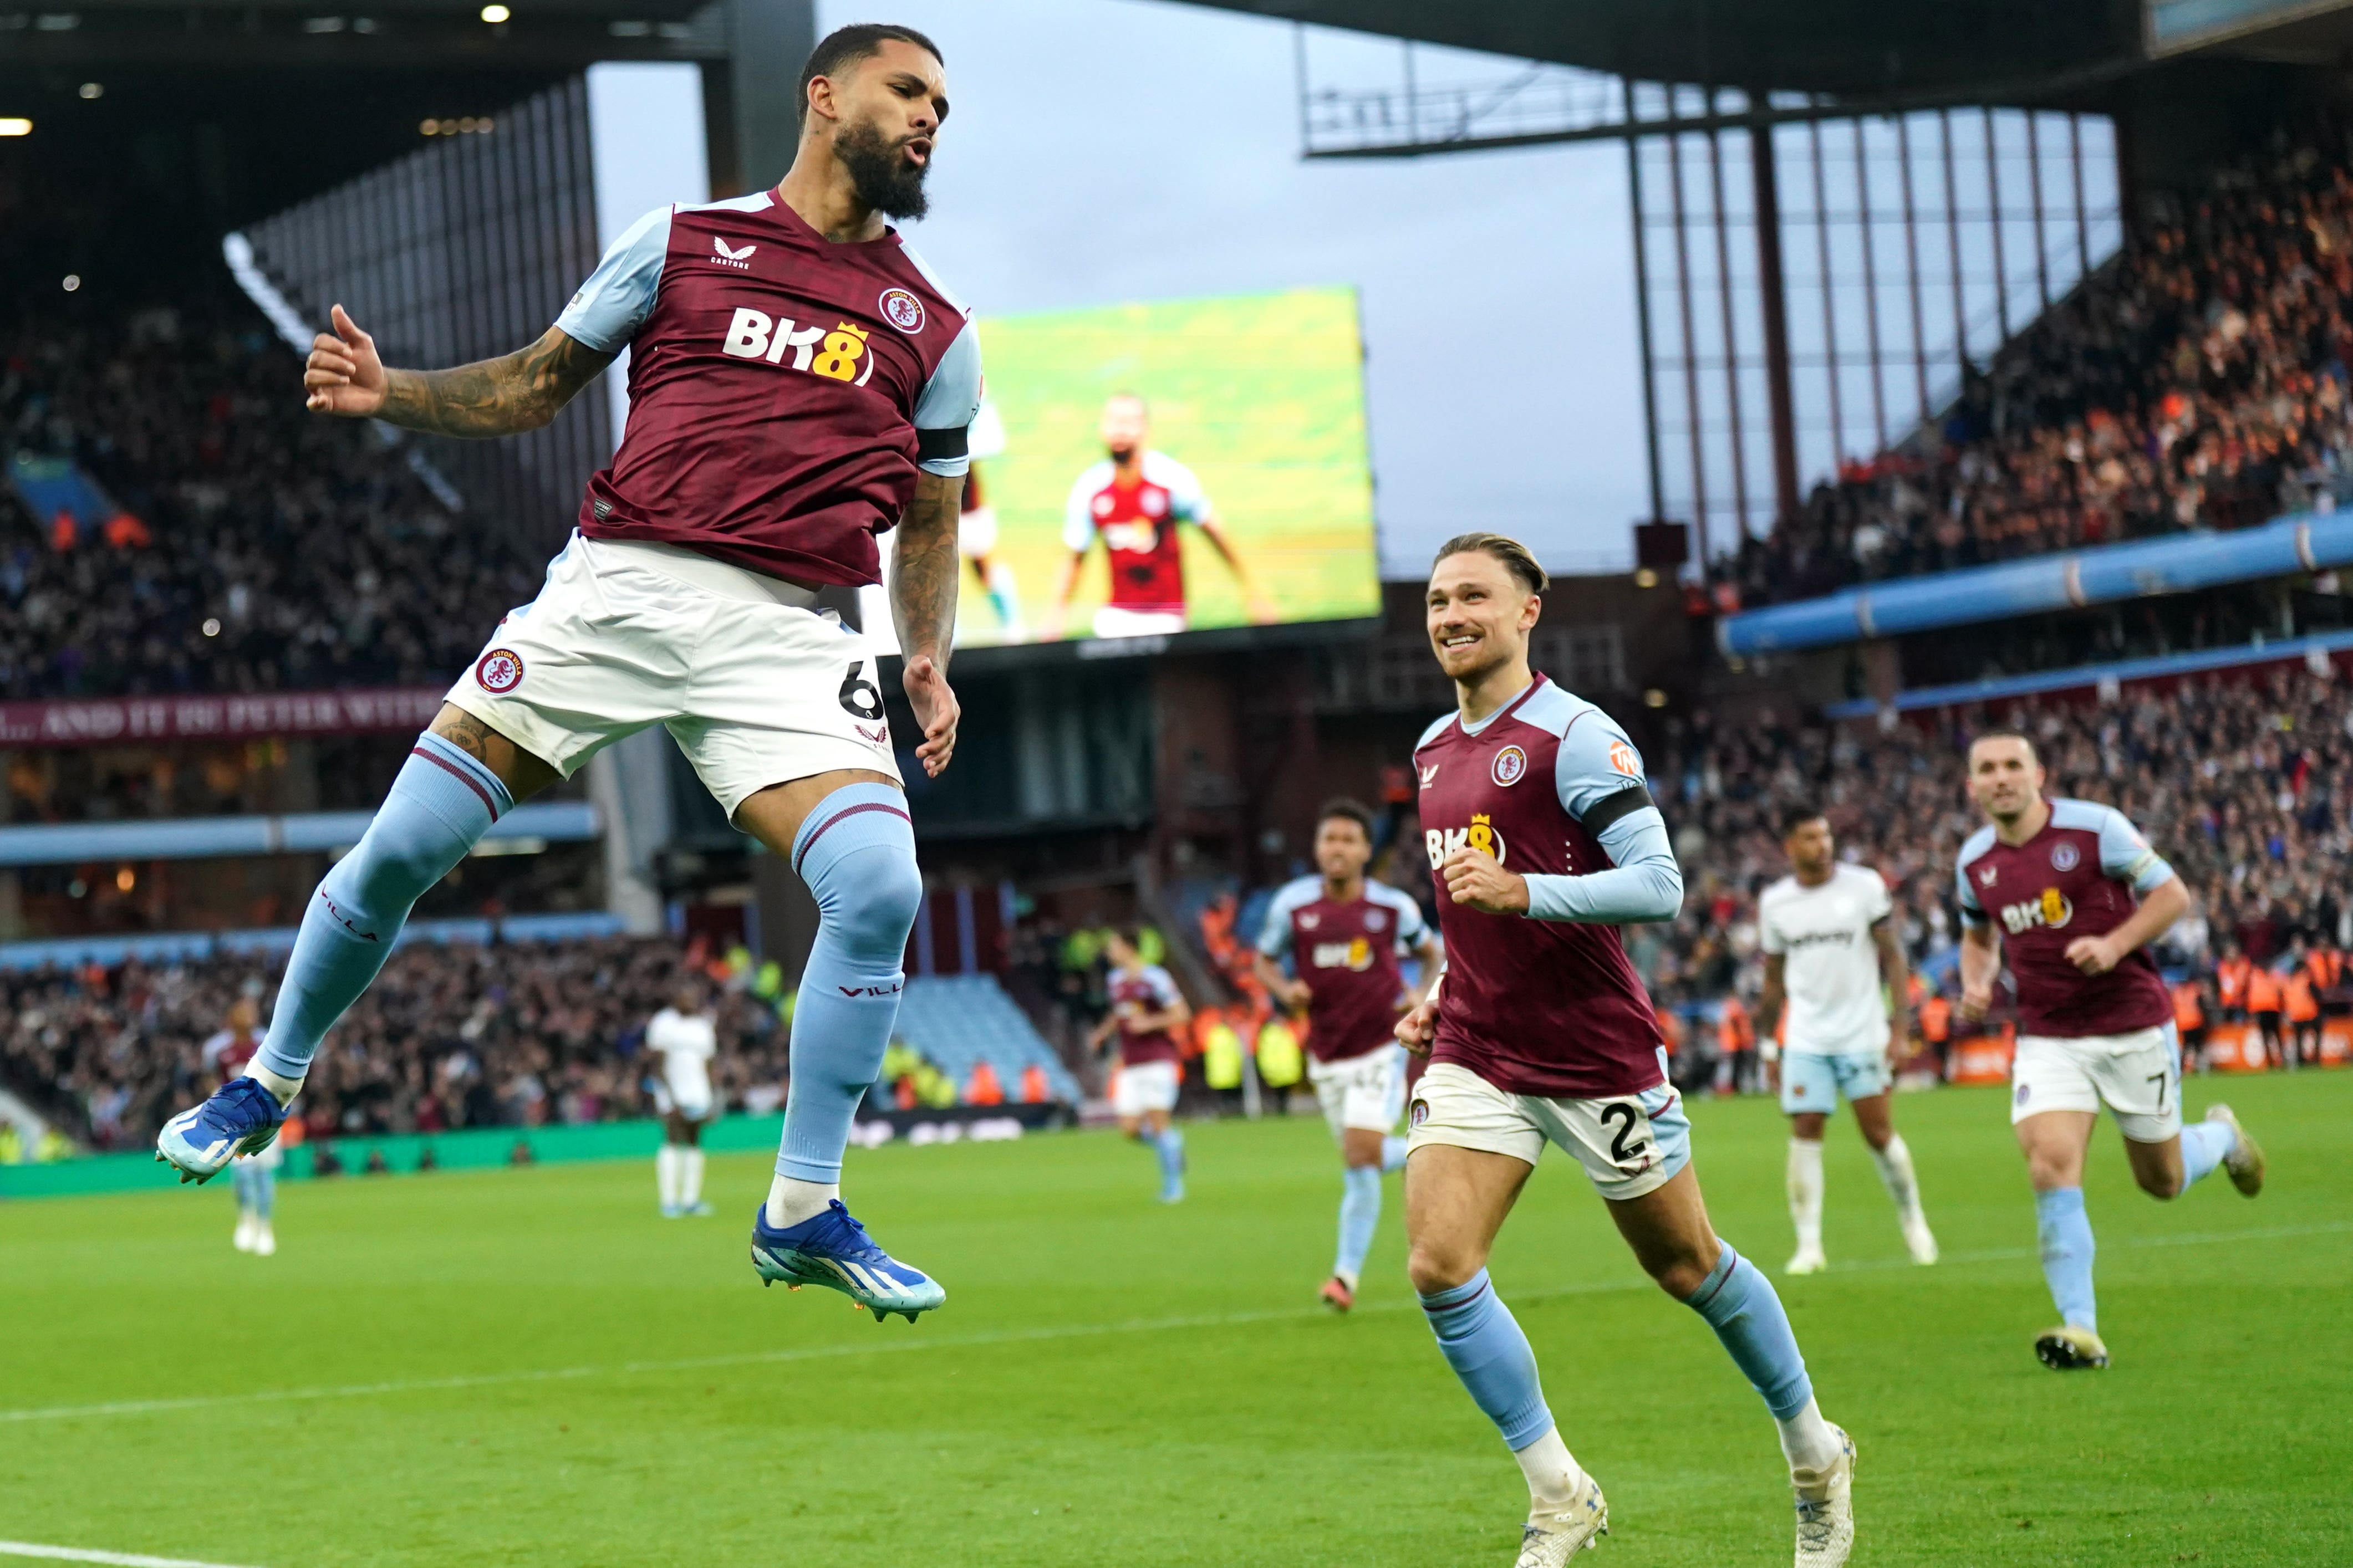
(886, 1346)
(77, 1554)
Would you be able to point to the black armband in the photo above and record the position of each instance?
(1610, 810)
(932, 445)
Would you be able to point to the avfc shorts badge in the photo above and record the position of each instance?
(903, 310)
(2064, 856)
(498, 671)
(1418, 1112)
(1511, 765)
(2023, 1091)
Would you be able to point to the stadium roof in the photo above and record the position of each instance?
(539, 35)
(1857, 49)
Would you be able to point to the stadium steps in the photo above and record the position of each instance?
(961, 1020)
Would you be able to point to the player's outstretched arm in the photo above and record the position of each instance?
(925, 571)
(516, 392)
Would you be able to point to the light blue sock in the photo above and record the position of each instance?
(1739, 1303)
(1483, 1342)
(1170, 1146)
(2065, 1233)
(857, 853)
(441, 802)
(2204, 1145)
(265, 1192)
(1392, 1156)
(1360, 1213)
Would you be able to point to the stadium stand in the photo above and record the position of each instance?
(2198, 382)
(963, 1021)
(2240, 781)
(455, 1033)
(269, 551)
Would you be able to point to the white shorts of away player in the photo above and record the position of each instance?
(1365, 1092)
(2137, 1076)
(688, 1097)
(756, 688)
(1630, 1145)
(1146, 1086)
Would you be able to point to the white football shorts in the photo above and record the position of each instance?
(2137, 1076)
(690, 1097)
(1630, 1145)
(1365, 1092)
(1146, 1086)
(756, 688)
(1112, 621)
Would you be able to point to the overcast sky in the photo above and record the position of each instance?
(1112, 150)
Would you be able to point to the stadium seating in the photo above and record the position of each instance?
(2198, 382)
(961, 1020)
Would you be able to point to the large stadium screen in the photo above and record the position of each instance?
(1177, 467)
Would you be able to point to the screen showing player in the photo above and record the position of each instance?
(1180, 466)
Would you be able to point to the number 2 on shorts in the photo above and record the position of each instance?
(1620, 1150)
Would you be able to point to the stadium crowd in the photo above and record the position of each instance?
(457, 1035)
(2242, 785)
(2198, 381)
(255, 547)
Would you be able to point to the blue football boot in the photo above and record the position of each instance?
(241, 1117)
(833, 1250)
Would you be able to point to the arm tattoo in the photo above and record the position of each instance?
(925, 568)
(520, 391)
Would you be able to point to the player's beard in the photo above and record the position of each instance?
(879, 172)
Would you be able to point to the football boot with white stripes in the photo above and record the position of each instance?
(241, 1117)
(833, 1250)
(1551, 1538)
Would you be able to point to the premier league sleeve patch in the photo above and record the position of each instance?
(498, 671)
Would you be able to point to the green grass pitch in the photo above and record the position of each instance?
(530, 1368)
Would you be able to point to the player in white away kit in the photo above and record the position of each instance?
(685, 1039)
(1832, 953)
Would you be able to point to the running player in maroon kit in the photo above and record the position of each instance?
(800, 382)
(1134, 501)
(2072, 893)
(1343, 934)
(1147, 1011)
(1543, 838)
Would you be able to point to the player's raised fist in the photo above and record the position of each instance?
(343, 376)
(1418, 1027)
(1477, 879)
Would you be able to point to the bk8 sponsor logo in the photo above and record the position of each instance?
(1356, 953)
(840, 354)
(1481, 836)
(2052, 909)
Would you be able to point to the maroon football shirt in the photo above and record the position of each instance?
(778, 382)
(1346, 956)
(1542, 1007)
(1148, 991)
(2078, 876)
